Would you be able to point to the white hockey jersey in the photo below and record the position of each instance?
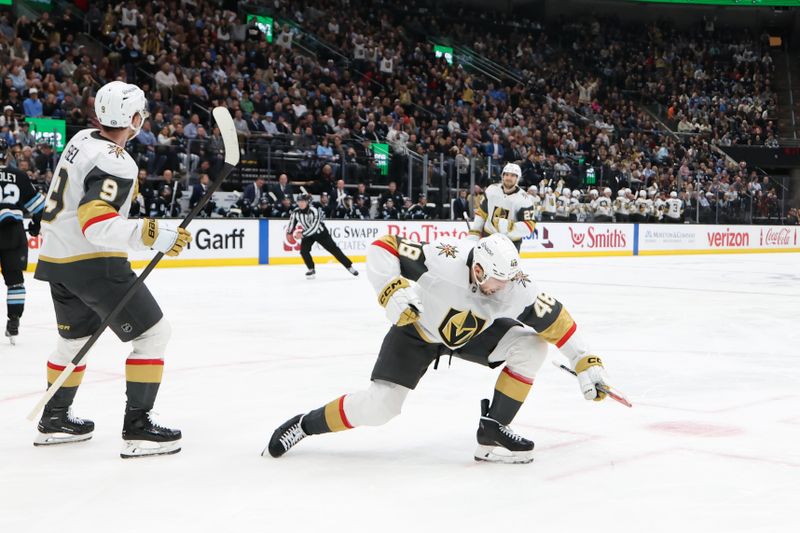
(601, 206)
(563, 206)
(674, 208)
(511, 214)
(85, 218)
(549, 205)
(455, 311)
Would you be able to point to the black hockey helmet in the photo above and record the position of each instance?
(3, 149)
(304, 197)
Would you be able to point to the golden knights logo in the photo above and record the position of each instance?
(113, 149)
(499, 213)
(447, 250)
(458, 327)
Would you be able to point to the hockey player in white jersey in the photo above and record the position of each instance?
(87, 234)
(602, 208)
(576, 207)
(674, 209)
(465, 299)
(563, 205)
(536, 202)
(659, 207)
(641, 208)
(505, 209)
(549, 205)
(621, 206)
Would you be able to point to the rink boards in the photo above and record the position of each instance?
(219, 242)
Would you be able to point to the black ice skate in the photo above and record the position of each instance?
(58, 426)
(353, 271)
(311, 274)
(12, 329)
(498, 444)
(144, 437)
(285, 437)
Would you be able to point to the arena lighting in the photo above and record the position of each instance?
(736, 3)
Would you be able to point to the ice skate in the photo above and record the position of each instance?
(498, 443)
(59, 426)
(144, 437)
(285, 437)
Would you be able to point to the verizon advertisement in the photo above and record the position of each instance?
(719, 238)
(580, 239)
(215, 241)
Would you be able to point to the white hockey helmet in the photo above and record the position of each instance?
(548, 190)
(565, 192)
(576, 193)
(593, 193)
(498, 257)
(117, 102)
(533, 189)
(512, 168)
(607, 190)
(673, 194)
(642, 194)
(621, 193)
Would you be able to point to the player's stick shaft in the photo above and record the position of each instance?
(611, 394)
(225, 123)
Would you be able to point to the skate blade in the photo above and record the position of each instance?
(12, 339)
(489, 454)
(145, 448)
(52, 439)
(311, 277)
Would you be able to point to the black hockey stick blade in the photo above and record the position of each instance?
(231, 144)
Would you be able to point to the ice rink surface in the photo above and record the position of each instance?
(706, 347)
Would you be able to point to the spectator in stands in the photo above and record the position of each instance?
(339, 194)
(270, 128)
(32, 105)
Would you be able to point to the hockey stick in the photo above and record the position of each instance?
(231, 144)
(602, 388)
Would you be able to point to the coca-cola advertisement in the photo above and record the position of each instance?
(778, 237)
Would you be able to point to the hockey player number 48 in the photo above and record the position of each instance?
(543, 305)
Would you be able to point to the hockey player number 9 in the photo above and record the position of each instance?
(108, 191)
(55, 203)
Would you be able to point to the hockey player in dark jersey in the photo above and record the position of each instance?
(465, 299)
(17, 197)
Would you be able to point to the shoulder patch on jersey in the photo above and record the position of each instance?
(116, 150)
(447, 250)
(522, 278)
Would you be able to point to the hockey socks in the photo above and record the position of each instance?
(143, 376)
(66, 394)
(510, 392)
(15, 300)
(328, 418)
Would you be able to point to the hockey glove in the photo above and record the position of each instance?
(168, 241)
(401, 302)
(34, 227)
(591, 374)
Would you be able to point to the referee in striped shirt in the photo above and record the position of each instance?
(306, 222)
